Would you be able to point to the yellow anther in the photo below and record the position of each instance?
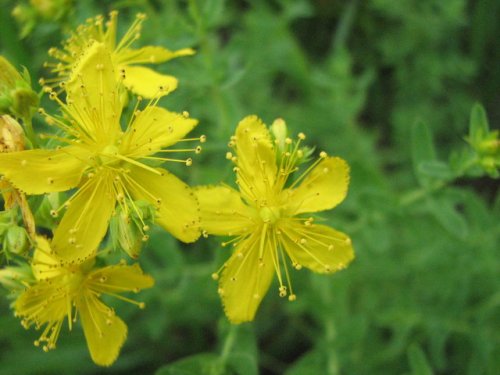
(282, 291)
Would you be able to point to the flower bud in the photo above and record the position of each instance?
(129, 227)
(51, 10)
(279, 130)
(16, 240)
(16, 96)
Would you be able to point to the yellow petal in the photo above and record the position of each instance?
(222, 211)
(178, 210)
(153, 129)
(317, 247)
(45, 265)
(104, 331)
(86, 221)
(147, 83)
(322, 189)
(93, 96)
(245, 279)
(150, 55)
(55, 170)
(119, 278)
(256, 158)
(32, 304)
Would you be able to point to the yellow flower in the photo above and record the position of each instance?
(63, 291)
(138, 79)
(107, 165)
(265, 216)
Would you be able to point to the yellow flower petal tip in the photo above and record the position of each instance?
(267, 216)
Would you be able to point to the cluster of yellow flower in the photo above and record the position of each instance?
(112, 171)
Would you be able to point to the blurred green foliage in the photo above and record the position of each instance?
(386, 85)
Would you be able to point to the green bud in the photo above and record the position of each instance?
(490, 145)
(51, 10)
(280, 132)
(129, 227)
(16, 95)
(490, 165)
(25, 102)
(25, 17)
(16, 240)
(125, 234)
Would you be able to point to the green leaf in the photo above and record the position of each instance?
(436, 169)
(199, 364)
(422, 143)
(422, 150)
(478, 125)
(445, 212)
(313, 362)
(418, 361)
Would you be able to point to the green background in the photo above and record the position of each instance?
(357, 77)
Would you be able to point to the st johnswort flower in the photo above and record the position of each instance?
(137, 78)
(266, 218)
(69, 292)
(106, 164)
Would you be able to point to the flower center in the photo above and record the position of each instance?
(269, 214)
(108, 155)
(73, 281)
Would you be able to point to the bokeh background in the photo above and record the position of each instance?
(423, 295)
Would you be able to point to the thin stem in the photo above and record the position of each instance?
(345, 24)
(228, 343)
(30, 133)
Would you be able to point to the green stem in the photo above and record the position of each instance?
(30, 133)
(345, 24)
(229, 343)
(416, 195)
(330, 329)
(331, 335)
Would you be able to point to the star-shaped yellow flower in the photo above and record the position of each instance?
(128, 61)
(107, 165)
(265, 216)
(64, 291)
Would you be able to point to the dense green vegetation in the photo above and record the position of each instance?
(390, 87)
